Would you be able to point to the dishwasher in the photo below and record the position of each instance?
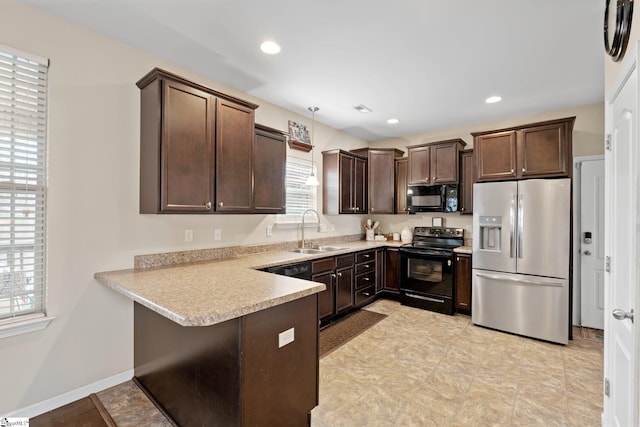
(300, 270)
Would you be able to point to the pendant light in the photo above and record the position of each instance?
(312, 180)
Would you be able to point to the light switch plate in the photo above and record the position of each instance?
(286, 337)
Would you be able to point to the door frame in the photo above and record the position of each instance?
(577, 258)
(629, 65)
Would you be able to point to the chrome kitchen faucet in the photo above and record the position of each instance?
(303, 215)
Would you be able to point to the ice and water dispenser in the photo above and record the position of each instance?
(490, 233)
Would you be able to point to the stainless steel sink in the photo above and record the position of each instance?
(307, 251)
(329, 248)
(318, 250)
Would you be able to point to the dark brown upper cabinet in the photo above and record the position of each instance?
(401, 178)
(269, 170)
(234, 157)
(536, 150)
(465, 187)
(381, 172)
(434, 162)
(196, 147)
(344, 189)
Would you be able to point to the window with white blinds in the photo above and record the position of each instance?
(23, 133)
(300, 196)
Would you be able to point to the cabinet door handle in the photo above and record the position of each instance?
(461, 209)
(366, 266)
(367, 279)
(512, 171)
(366, 294)
(434, 178)
(206, 206)
(339, 274)
(457, 258)
(524, 170)
(333, 276)
(220, 204)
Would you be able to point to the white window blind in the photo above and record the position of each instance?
(23, 126)
(299, 195)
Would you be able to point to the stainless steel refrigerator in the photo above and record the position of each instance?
(521, 241)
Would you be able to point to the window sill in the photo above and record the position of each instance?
(24, 325)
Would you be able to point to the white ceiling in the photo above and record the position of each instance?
(428, 63)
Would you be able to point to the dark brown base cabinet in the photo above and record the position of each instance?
(365, 276)
(337, 275)
(392, 271)
(463, 283)
(233, 373)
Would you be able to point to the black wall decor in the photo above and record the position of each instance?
(617, 28)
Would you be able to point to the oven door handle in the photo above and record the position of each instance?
(441, 301)
(427, 252)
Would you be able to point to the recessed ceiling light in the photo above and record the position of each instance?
(363, 109)
(393, 121)
(493, 99)
(270, 47)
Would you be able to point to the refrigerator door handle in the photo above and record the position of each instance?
(515, 279)
(520, 225)
(512, 228)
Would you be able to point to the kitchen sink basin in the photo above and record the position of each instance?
(318, 250)
(329, 248)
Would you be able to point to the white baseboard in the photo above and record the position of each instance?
(71, 396)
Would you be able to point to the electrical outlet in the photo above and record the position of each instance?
(269, 230)
(188, 235)
(217, 234)
(286, 337)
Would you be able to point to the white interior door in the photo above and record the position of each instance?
(621, 229)
(592, 243)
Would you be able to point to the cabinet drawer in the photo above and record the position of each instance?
(344, 261)
(366, 267)
(365, 256)
(364, 280)
(321, 265)
(365, 295)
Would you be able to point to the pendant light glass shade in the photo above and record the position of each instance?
(312, 180)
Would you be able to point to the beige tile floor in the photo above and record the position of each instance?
(419, 368)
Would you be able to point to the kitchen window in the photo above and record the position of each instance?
(23, 156)
(300, 196)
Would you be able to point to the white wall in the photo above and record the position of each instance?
(93, 217)
(93, 203)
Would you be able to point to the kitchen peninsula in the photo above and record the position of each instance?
(219, 343)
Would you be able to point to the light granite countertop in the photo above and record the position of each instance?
(464, 250)
(207, 293)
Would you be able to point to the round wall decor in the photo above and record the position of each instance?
(617, 26)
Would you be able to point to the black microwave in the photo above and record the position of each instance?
(432, 198)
